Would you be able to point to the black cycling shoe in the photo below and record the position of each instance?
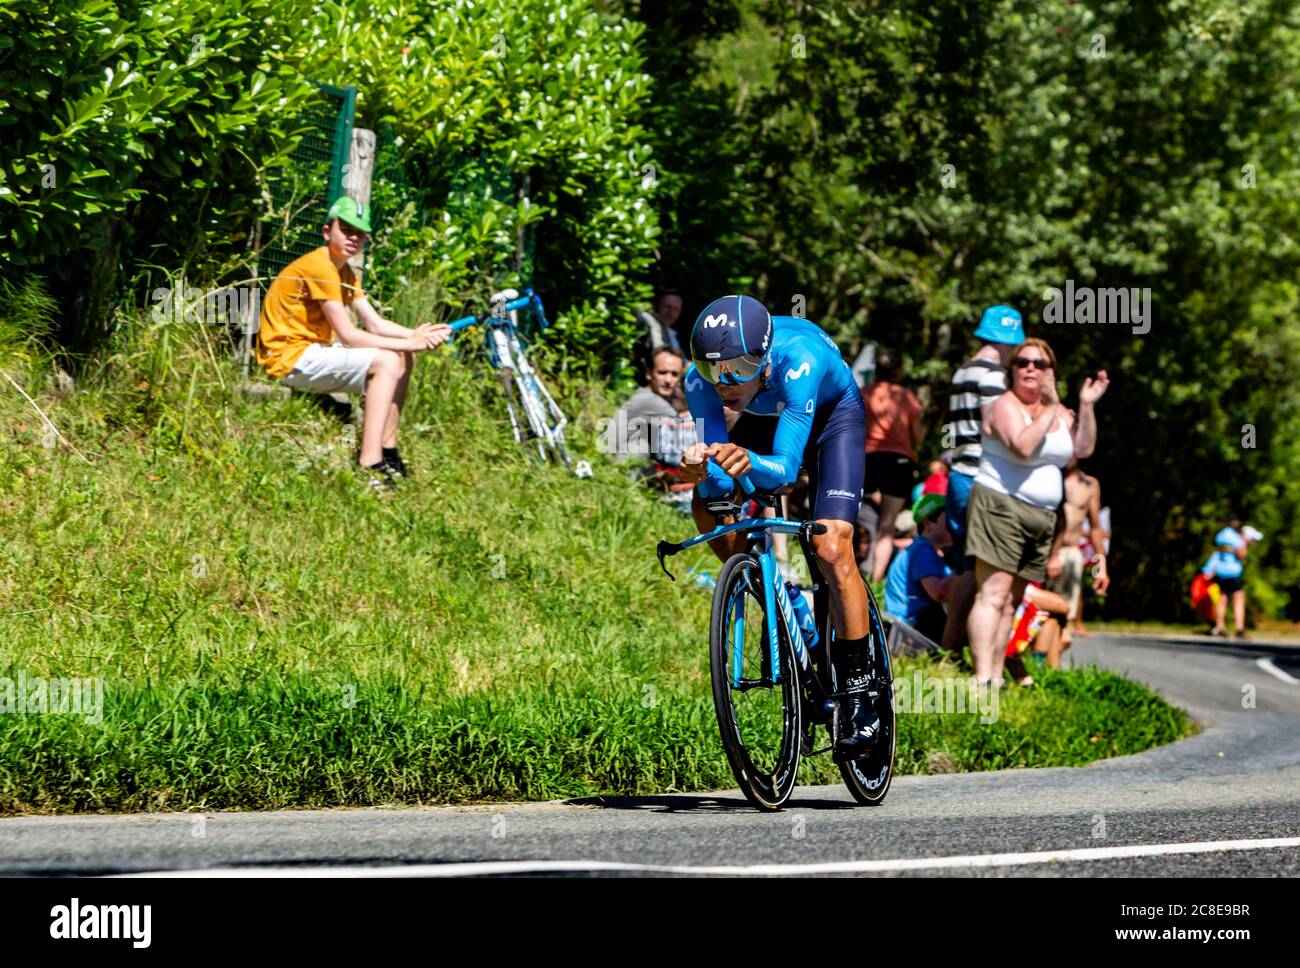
(859, 729)
(858, 724)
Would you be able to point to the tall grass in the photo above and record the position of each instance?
(270, 634)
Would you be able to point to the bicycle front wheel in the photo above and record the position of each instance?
(759, 719)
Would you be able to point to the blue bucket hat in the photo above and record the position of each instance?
(1001, 324)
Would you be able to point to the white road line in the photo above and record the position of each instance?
(477, 869)
(1268, 666)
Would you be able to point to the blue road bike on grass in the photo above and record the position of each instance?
(773, 683)
(535, 418)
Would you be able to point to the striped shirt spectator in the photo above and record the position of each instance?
(975, 385)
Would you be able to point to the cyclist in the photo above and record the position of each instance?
(796, 403)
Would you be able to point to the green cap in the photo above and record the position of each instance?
(928, 506)
(351, 211)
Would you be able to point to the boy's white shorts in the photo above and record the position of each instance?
(331, 369)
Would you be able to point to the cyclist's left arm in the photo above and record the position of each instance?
(797, 379)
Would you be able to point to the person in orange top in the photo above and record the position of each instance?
(307, 339)
(894, 431)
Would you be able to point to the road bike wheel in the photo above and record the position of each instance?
(868, 778)
(759, 723)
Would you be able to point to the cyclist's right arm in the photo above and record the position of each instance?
(711, 426)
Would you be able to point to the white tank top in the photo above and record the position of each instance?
(1036, 481)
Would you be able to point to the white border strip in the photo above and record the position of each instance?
(478, 869)
(1268, 666)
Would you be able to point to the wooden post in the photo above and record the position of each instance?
(252, 319)
(356, 177)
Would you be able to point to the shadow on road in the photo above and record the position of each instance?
(694, 803)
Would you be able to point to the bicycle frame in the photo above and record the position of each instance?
(506, 351)
(776, 600)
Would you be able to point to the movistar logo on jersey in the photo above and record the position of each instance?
(694, 382)
(793, 374)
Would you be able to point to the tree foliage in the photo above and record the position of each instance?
(892, 168)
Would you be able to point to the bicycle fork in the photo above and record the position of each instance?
(776, 607)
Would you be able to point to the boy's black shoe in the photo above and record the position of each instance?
(378, 478)
(393, 461)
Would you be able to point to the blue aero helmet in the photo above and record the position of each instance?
(1001, 324)
(731, 340)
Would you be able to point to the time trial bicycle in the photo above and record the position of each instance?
(773, 683)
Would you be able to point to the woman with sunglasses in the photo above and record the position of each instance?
(1028, 438)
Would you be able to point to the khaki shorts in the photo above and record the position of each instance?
(1070, 581)
(331, 369)
(1009, 534)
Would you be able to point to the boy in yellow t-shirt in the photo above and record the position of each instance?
(308, 341)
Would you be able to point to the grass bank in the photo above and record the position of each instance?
(270, 635)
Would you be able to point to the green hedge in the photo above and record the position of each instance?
(141, 135)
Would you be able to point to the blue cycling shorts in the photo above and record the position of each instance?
(835, 456)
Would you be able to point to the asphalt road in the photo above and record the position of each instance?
(1210, 805)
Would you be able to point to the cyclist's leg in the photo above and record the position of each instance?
(728, 544)
(835, 482)
(835, 473)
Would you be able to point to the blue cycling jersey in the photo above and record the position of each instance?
(808, 375)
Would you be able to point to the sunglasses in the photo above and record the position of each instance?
(1036, 364)
(741, 369)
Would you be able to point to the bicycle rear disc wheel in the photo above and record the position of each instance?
(868, 778)
(759, 721)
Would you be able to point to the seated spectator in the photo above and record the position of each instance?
(308, 341)
(649, 425)
(937, 482)
(657, 329)
(919, 580)
(904, 531)
(1039, 622)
